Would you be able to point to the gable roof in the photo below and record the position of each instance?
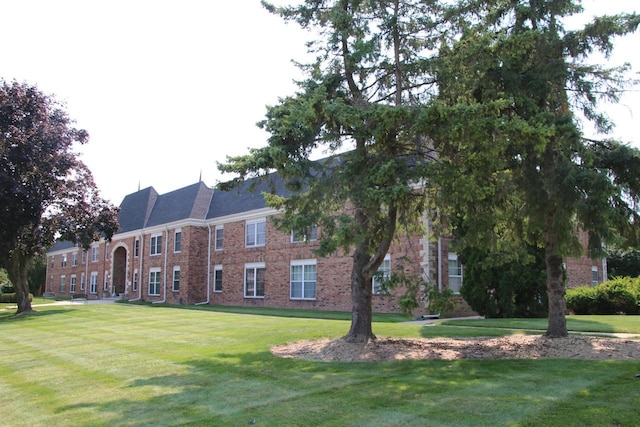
(184, 203)
(136, 208)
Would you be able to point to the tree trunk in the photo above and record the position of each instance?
(557, 324)
(17, 273)
(361, 292)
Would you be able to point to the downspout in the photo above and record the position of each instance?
(208, 269)
(141, 256)
(164, 276)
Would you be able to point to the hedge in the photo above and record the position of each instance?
(617, 296)
(12, 297)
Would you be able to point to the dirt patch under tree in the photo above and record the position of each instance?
(507, 347)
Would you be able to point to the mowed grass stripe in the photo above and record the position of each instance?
(150, 365)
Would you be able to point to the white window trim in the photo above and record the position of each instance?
(313, 231)
(594, 269)
(255, 222)
(173, 279)
(72, 283)
(303, 262)
(158, 271)
(155, 246)
(177, 232)
(93, 282)
(215, 237)
(386, 277)
(217, 268)
(254, 266)
(451, 257)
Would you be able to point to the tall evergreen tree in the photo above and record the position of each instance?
(514, 164)
(361, 95)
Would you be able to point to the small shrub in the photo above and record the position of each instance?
(581, 300)
(619, 295)
(11, 298)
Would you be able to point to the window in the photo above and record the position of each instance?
(219, 237)
(84, 257)
(154, 281)
(254, 280)
(455, 273)
(105, 285)
(82, 282)
(93, 284)
(594, 275)
(53, 261)
(310, 236)
(136, 248)
(217, 278)
(63, 279)
(63, 260)
(95, 252)
(156, 244)
(176, 279)
(74, 259)
(106, 252)
(303, 279)
(382, 275)
(177, 241)
(256, 233)
(135, 280)
(72, 283)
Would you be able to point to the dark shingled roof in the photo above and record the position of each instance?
(135, 209)
(60, 245)
(244, 198)
(187, 202)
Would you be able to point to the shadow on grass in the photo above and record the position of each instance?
(598, 324)
(232, 389)
(10, 315)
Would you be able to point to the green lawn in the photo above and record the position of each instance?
(136, 365)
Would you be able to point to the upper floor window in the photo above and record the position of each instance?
(63, 260)
(219, 237)
(74, 259)
(177, 241)
(136, 248)
(455, 273)
(84, 257)
(309, 236)
(95, 253)
(53, 260)
(156, 244)
(382, 275)
(106, 252)
(256, 233)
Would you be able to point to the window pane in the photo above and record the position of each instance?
(296, 289)
(260, 273)
(310, 289)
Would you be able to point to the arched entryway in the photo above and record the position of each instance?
(119, 270)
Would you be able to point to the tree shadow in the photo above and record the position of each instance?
(10, 315)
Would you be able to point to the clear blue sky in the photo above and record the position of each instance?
(167, 88)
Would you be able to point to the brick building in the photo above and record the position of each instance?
(195, 245)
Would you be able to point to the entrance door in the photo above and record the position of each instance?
(119, 270)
